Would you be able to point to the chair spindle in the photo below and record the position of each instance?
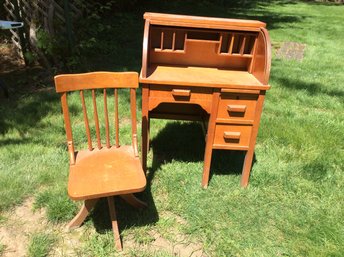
(133, 119)
(116, 118)
(87, 126)
(106, 120)
(96, 120)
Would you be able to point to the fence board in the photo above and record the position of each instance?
(49, 13)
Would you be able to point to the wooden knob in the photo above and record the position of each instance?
(231, 135)
(236, 108)
(181, 92)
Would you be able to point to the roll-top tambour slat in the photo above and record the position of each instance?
(202, 22)
(116, 118)
(96, 120)
(87, 126)
(106, 120)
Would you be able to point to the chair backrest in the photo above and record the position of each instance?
(91, 81)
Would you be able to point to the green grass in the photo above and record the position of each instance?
(294, 202)
(41, 244)
(2, 249)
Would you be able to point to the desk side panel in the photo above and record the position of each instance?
(145, 49)
(262, 59)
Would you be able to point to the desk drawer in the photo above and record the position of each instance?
(177, 94)
(180, 93)
(232, 136)
(237, 106)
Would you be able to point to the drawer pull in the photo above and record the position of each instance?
(236, 108)
(231, 135)
(181, 92)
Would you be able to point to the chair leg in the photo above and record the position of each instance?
(115, 230)
(133, 201)
(83, 213)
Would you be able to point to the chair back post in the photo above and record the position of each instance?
(68, 128)
(116, 118)
(133, 120)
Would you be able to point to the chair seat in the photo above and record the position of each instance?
(105, 172)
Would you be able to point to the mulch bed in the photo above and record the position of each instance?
(291, 51)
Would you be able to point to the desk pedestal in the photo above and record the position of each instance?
(232, 117)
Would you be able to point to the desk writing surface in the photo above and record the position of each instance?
(201, 77)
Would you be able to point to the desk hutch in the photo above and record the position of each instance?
(209, 69)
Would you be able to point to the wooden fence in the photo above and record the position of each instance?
(53, 16)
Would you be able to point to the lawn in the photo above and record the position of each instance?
(293, 205)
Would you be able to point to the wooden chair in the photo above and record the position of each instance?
(102, 171)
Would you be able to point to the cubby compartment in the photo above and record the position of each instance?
(179, 40)
(203, 35)
(167, 40)
(225, 41)
(250, 43)
(237, 44)
(180, 46)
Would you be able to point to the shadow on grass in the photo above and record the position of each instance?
(228, 162)
(127, 215)
(310, 87)
(185, 142)
(31, 98)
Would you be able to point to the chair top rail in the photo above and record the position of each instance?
(95, 80)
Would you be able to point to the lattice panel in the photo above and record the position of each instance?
(49, 15)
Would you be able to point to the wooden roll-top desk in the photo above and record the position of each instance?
(209, 69)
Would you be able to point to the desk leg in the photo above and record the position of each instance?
(247, 168)
(249, 154)
(145, 126)
(210, 138)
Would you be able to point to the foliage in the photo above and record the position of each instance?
(45, 42)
